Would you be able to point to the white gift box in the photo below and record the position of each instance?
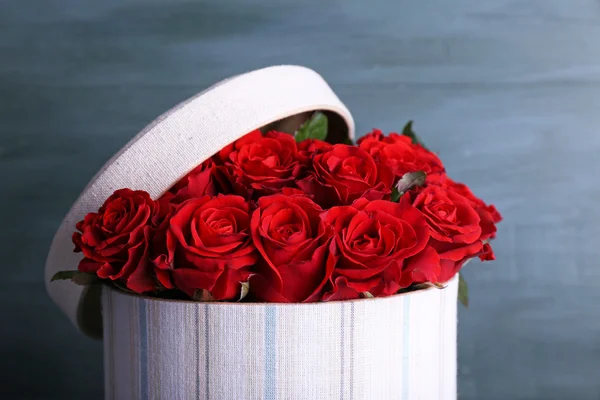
(400, 347)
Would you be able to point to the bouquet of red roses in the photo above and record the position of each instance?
(275, 217)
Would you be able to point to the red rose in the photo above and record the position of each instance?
(379, 136)
(293, 243)
(159, 225)
(308, 147)
(401, 155)
(487, 213)
(454, 227)
(209, 246)
(258, 165)
(343, 173)
(371, 241)
(114, 241)
(426, 266)
(201, 181)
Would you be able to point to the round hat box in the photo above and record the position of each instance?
(398, 347)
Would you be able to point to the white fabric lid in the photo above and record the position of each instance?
(175, 143)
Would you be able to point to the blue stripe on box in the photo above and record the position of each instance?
(342, 352)
(207, 350)
(143, 350)
(198, 351)
(351, 351)
(270, 352)
(406, 347)
(111, 337)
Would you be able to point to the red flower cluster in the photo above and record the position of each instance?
(292, 222)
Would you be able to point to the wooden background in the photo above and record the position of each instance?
(507, 91)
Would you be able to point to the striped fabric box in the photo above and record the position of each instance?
(401, 347)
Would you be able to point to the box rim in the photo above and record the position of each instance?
(265, 304)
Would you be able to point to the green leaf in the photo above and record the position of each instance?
(63, 275)
(410, 180)
(408, 131)
(417, 286)
(84, 279)
(463, 291)
(80, 278)
(367, 295)
(314, 128)
(395, 195)
(348, 141)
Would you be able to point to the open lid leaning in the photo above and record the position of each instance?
(173, 145)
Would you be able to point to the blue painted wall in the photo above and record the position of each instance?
(507, 91)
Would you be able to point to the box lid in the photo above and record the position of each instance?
(173, 145)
